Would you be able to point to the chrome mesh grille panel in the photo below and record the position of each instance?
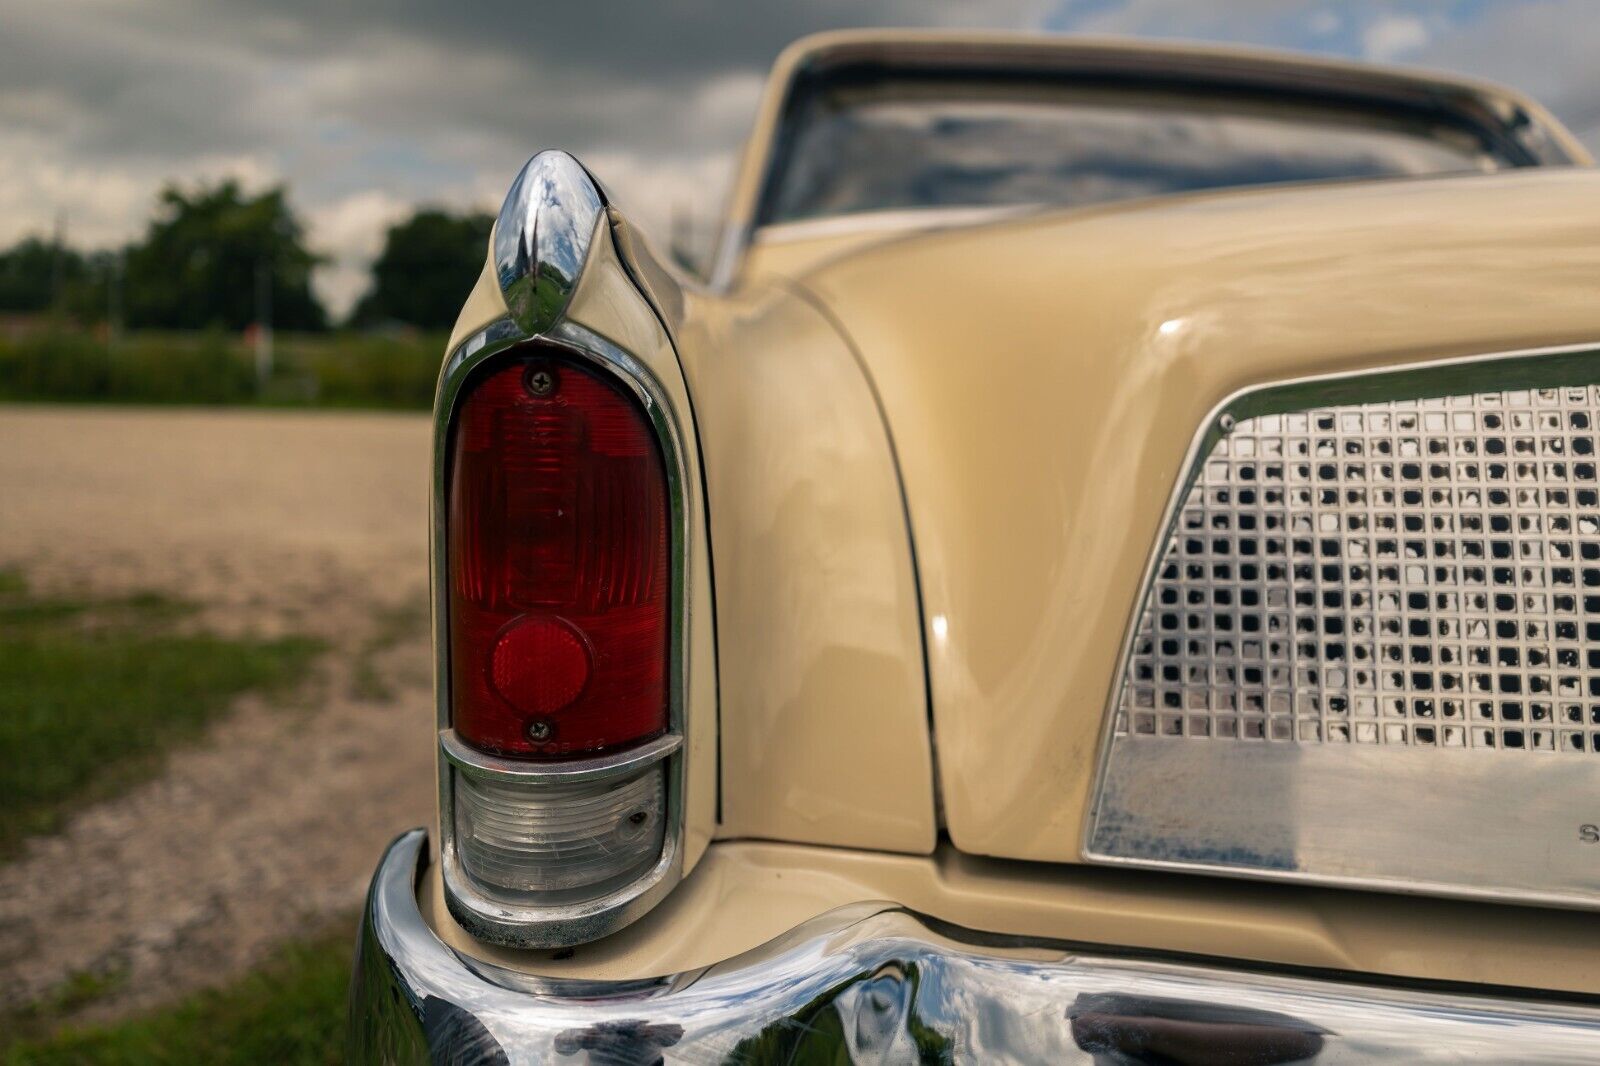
(1419, 573)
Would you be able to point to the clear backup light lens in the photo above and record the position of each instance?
(558, 844)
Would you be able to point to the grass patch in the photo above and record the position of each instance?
(39, 1019)
(92, 692)
(290, 1011)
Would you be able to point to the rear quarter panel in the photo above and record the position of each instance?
(825, 735)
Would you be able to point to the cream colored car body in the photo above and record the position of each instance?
(936, 463)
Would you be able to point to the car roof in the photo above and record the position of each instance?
(1225, 66)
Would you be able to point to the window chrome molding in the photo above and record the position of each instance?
(888, 221)
(541, 219)
(1502, 371)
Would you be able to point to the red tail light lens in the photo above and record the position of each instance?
(559, 578)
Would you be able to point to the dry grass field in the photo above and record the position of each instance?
(268, 823)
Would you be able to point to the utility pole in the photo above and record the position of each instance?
(58, 263)
(263, 323)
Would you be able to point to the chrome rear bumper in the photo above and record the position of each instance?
(873, 982)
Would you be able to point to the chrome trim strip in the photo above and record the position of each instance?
(474, 763)
(733, 240)
(550, 202)
(874, 982)
(907, 220)
(1576, 364)
(1317, 814)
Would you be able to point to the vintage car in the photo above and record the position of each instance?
(1106, 567)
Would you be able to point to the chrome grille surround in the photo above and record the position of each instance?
(1373, 619)
(1401, 573)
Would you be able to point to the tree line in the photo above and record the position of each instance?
(215, 257)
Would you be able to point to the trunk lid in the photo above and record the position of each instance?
(1043, 379)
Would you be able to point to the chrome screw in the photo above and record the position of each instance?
(540, 730)
(541, 382)
(1226, 422)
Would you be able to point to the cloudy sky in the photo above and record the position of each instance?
(367, 109)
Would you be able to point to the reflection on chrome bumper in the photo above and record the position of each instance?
(875, 983)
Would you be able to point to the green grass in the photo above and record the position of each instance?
(309, 370)
(40, 1018)
(290, 1011)
(92, 693)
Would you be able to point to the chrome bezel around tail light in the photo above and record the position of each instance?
(541, 244)
(1288, 800)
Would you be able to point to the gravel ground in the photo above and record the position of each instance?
(274, 522)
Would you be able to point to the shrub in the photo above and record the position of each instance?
(340, 370)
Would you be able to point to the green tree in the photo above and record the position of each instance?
(428, 265)
(214, 256)
(30, 270)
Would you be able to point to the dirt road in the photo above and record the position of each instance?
(274, 522)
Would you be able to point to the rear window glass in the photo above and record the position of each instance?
(958, 143)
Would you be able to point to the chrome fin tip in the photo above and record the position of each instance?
(542, 238)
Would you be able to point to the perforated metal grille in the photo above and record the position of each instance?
(1424, 572)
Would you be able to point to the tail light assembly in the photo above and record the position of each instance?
(560, 603)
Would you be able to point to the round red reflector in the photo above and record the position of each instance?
(539, 665)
